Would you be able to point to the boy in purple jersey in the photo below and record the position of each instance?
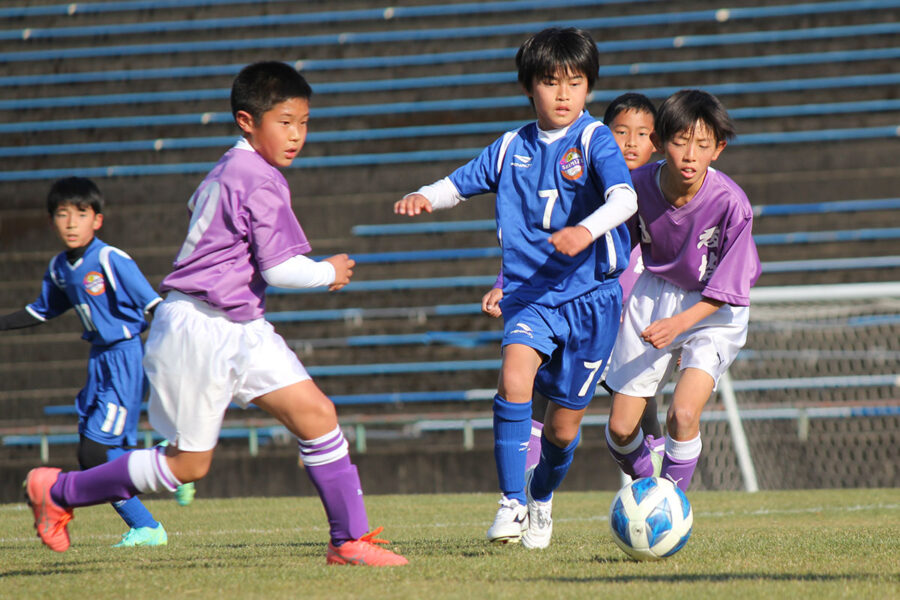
(563, 194)
(112, 299)
(210, 344)
(700, 261)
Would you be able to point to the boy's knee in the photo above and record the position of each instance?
(621, 431)
(188, 467)
(560, 437)
(682, 418)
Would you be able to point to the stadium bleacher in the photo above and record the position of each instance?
(134, 94)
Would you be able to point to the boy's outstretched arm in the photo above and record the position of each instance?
(440, 195)
(412, 205)
(18, 320)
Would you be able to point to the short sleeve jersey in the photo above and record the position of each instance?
(543, 184)
(241, 224)
(705, 245)
(105, 287)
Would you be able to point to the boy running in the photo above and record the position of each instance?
(694, 226)
(630, 119)
(561, 185)
(210, 344)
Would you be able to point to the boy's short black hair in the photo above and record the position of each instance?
(260, 86)
(629, 101)
(544, 53)
(78, 191)
(683, 109)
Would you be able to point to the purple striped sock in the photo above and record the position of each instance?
(108, 482)
(637, 463)
(337, 481)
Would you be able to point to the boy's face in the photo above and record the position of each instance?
(76, 226)
(559, 100)
(689, 154)
(631, 129)
(281, 132)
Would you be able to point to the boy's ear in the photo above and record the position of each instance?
(244, 120)
(719, 147)
(98, 221)
(657, 143)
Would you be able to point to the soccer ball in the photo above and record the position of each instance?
(650, 518)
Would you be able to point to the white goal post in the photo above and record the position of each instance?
(796, 293)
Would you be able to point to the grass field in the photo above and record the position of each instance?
(800, 544)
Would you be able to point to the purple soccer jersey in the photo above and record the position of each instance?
(705, 245)
(241, 224)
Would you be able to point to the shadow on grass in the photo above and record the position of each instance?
(670, 577)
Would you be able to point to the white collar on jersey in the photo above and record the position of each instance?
(551, 135)
(243, 144)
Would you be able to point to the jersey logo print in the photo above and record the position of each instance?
(94, 283)
(572, 164)
(522, 328)
(709, 239)
(521, 161)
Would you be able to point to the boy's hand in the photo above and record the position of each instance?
(412, 205)
(571, 240)
(663, 332)
(490, 303)
(343, 270)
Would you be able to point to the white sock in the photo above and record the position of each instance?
(631, 447)
(149, 470)
(683, 451)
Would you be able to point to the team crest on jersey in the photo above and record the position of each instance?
(572, 164)
(94, 283)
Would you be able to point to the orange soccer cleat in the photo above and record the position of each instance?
(364, 551)
(50, 519)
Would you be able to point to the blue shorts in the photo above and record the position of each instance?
(109, 405)
(575, 340)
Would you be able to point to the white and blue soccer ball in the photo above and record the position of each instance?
(650, 519)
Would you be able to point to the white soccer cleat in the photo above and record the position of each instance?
(540, 526)
(510, 522)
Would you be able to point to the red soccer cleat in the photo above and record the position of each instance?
(364, 551)
(50, 519)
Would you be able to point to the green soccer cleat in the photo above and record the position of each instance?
(144, 536)
(656, 458)
(184, 495)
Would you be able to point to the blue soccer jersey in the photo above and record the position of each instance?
(106, 289)
(543, 183)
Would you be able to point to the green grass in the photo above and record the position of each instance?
(800, 544)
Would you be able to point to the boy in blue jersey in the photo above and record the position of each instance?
(563, 193)
(630, 119)
(111, 297)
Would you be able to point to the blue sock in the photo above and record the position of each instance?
(134, 513)
(132, 510)
(552, 468)
(512, 428)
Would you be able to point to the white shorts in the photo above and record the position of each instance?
(638, 369)
(198, 362)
